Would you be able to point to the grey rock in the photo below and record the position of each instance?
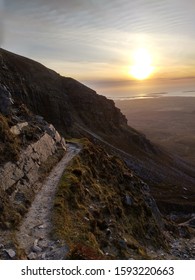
(39, 118)
(11, 253)
(185, 256)
(51, 248)
(36, 242)
(36, 249)
(154, 210)
(122, 243)
(43, 256)
(42, 226)
(56, 136)
(58, 254)
(128, 200)
(32, 256)
(1, 246)
(13, 173)
(43, 243)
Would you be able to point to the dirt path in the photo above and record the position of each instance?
(33, 235)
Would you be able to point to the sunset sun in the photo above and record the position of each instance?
(142, 68)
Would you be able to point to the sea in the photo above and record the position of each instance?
(126, 91)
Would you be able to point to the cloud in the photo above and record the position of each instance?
(96, 32)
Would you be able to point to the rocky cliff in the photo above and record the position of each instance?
(60, 100)
(29, 148)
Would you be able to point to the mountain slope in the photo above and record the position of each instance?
(77, 110)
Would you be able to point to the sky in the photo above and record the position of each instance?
(93, 40)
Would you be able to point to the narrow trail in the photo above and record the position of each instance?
(34, 233)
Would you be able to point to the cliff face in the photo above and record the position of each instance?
(62, 101)
(29, 147)
(65, 102)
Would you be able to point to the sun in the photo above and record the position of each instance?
(142, 68)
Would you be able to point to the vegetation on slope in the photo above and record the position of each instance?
(103, 211)
(9, 143)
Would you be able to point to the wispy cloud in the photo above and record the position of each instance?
(99, 32)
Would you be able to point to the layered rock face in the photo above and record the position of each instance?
(29, 147)
(24, 173)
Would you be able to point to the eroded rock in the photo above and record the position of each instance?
(32, 256)
(37, 249)
(11, 253)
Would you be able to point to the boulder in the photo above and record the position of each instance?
(11, 253)
(32, 256)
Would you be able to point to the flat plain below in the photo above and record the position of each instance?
(167, 121)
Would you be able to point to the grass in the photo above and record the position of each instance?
(69, 217)
(9, 217)
(9, 143)
(90, 212)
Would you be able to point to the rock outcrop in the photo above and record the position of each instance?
(29, 147)
(24, 173)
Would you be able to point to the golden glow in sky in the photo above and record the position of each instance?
(93, 44)
(142, 67)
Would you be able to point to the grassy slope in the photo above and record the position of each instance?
(9, 143)
(100, 206)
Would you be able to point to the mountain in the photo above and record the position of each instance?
(118, 164)
(76, 110)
